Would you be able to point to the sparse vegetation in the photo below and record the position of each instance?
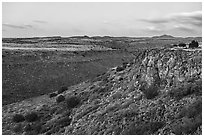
(72, 101)
(18, 118)
(151, 92)
(60, 98)
(130, 102)
(193, 44)
(18, 128)
(52, 94)
(31, 117)
(144, 128)
(185, 90)
(120, 68)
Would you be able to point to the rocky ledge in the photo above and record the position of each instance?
(159, 93)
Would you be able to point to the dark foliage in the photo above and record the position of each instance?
(31, 117)
(60, 98)
(193, 44)
(72, 101)
(143, 129)
(187, 126)
(192, 110)
(52, 94)
(18, 118)
(151, 92)
(191, 119)
(182, 45)
(185, 89)
(62, 89)
(27, 128)
(120, 68)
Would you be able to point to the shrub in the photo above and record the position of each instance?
(151, 92)
(193, 44)
(187, 126)
(120, 68)
(27, 128)
(52, 94)
(17, 128)
(31, 117)
(184, 90)
(194, 109)
(144, 128)
(62, 89)
(60, 98)
(18, 118)
(182, 45)
(72, 101)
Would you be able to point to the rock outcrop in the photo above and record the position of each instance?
(159, 93)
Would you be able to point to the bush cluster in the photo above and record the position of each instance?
(60, 98)
(31, 117)
(143, 129)
(185, 89)
(72, 102)
(191, 119)
(120, 68)
(18, 118)
(151, 92)
(193, 44)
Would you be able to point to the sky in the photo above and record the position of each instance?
(136, 19)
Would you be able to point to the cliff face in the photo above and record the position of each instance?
(159, 93)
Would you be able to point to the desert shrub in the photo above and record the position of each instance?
(18, 128)
(52, 94)
(120, 79)
(184, 90)
(144, 128)
(18, 118)
(72, 101)
(181, 44)
(187, 126)
(60, 98)
(193, 44)
(120, 68)
(125, 64)
(62, 89)
(64, 121)
(151, 92)
(31, 117)
(194, 109)
(27, 128)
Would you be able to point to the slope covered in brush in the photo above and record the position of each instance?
(159, 93)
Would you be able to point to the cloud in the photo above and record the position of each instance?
(193, 18)
(152, 29)
(17, 26)
(40, 21)
(184, 28)
(155, 20)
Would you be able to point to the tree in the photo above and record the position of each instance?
(193, 44)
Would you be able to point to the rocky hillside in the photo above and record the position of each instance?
(159, 93)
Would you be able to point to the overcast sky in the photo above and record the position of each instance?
(113, 19)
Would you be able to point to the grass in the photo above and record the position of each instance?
(28, 74)
(144, 128)
(186, 89)
(191, 118)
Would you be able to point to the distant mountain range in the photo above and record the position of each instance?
(164, 37)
